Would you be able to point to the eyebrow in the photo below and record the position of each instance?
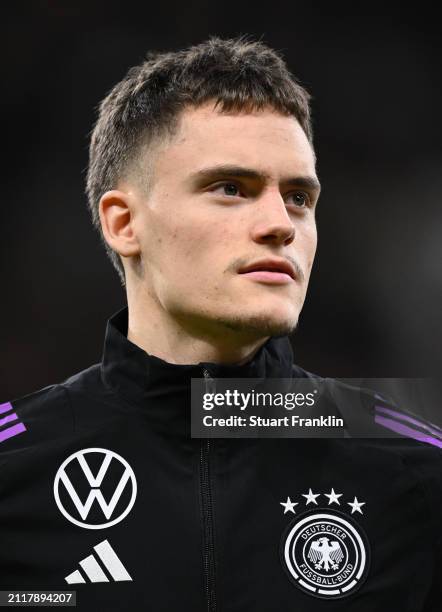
(229, 171)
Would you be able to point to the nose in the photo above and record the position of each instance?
(273, 224)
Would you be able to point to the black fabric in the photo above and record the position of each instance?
(207, 525)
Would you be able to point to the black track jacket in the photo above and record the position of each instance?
(104, 492)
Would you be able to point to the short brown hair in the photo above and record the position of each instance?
(238, 74)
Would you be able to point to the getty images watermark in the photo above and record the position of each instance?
(257, 400)
(305, 408)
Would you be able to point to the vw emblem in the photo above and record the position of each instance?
(86, 499)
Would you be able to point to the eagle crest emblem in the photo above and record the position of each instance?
(325, 553)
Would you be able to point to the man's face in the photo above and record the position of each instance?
(230, 192)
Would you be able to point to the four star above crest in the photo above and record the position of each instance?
(289, 506)
(333, 498)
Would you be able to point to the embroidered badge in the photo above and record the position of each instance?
(324, 551)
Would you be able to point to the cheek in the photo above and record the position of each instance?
(189, 242)
(189, 248)
(307, 242)
(313, 246)
(311, 237)
(202, 235)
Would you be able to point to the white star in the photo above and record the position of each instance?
(333, 497)
(289, 505)
(356, 506)
(310, 497)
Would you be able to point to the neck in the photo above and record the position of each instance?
(187, 341)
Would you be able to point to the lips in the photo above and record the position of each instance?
(270, 265)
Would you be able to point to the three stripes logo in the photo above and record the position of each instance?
(95, 572)
(10, 425)
(408, 426)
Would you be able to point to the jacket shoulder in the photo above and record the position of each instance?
(369, 413)
(44, 415)
(383, 416)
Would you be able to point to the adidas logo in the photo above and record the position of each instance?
(94, 571)
(8, 416)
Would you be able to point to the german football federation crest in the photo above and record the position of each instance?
(324, 551)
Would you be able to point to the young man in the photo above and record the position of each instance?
(203, 186)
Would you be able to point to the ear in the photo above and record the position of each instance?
(117, 210)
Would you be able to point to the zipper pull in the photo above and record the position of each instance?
(209, 382)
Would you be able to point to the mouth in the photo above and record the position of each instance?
(270, 271)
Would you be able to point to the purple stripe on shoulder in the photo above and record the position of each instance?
(8, 419)
(404, 417)
(406, 431)
(5, 407)
(12, 431)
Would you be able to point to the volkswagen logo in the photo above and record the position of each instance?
(95, 488)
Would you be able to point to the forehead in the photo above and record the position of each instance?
(264, 139)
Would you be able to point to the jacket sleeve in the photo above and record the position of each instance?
(433, 603)
(427, 464)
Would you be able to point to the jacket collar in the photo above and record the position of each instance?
(129, 370)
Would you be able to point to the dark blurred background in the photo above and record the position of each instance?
(374, 304)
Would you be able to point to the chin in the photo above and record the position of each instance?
(262, 324)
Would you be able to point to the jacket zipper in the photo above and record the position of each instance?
(207, 517)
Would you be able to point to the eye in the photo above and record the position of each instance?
(228, 189)
(300, 199)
